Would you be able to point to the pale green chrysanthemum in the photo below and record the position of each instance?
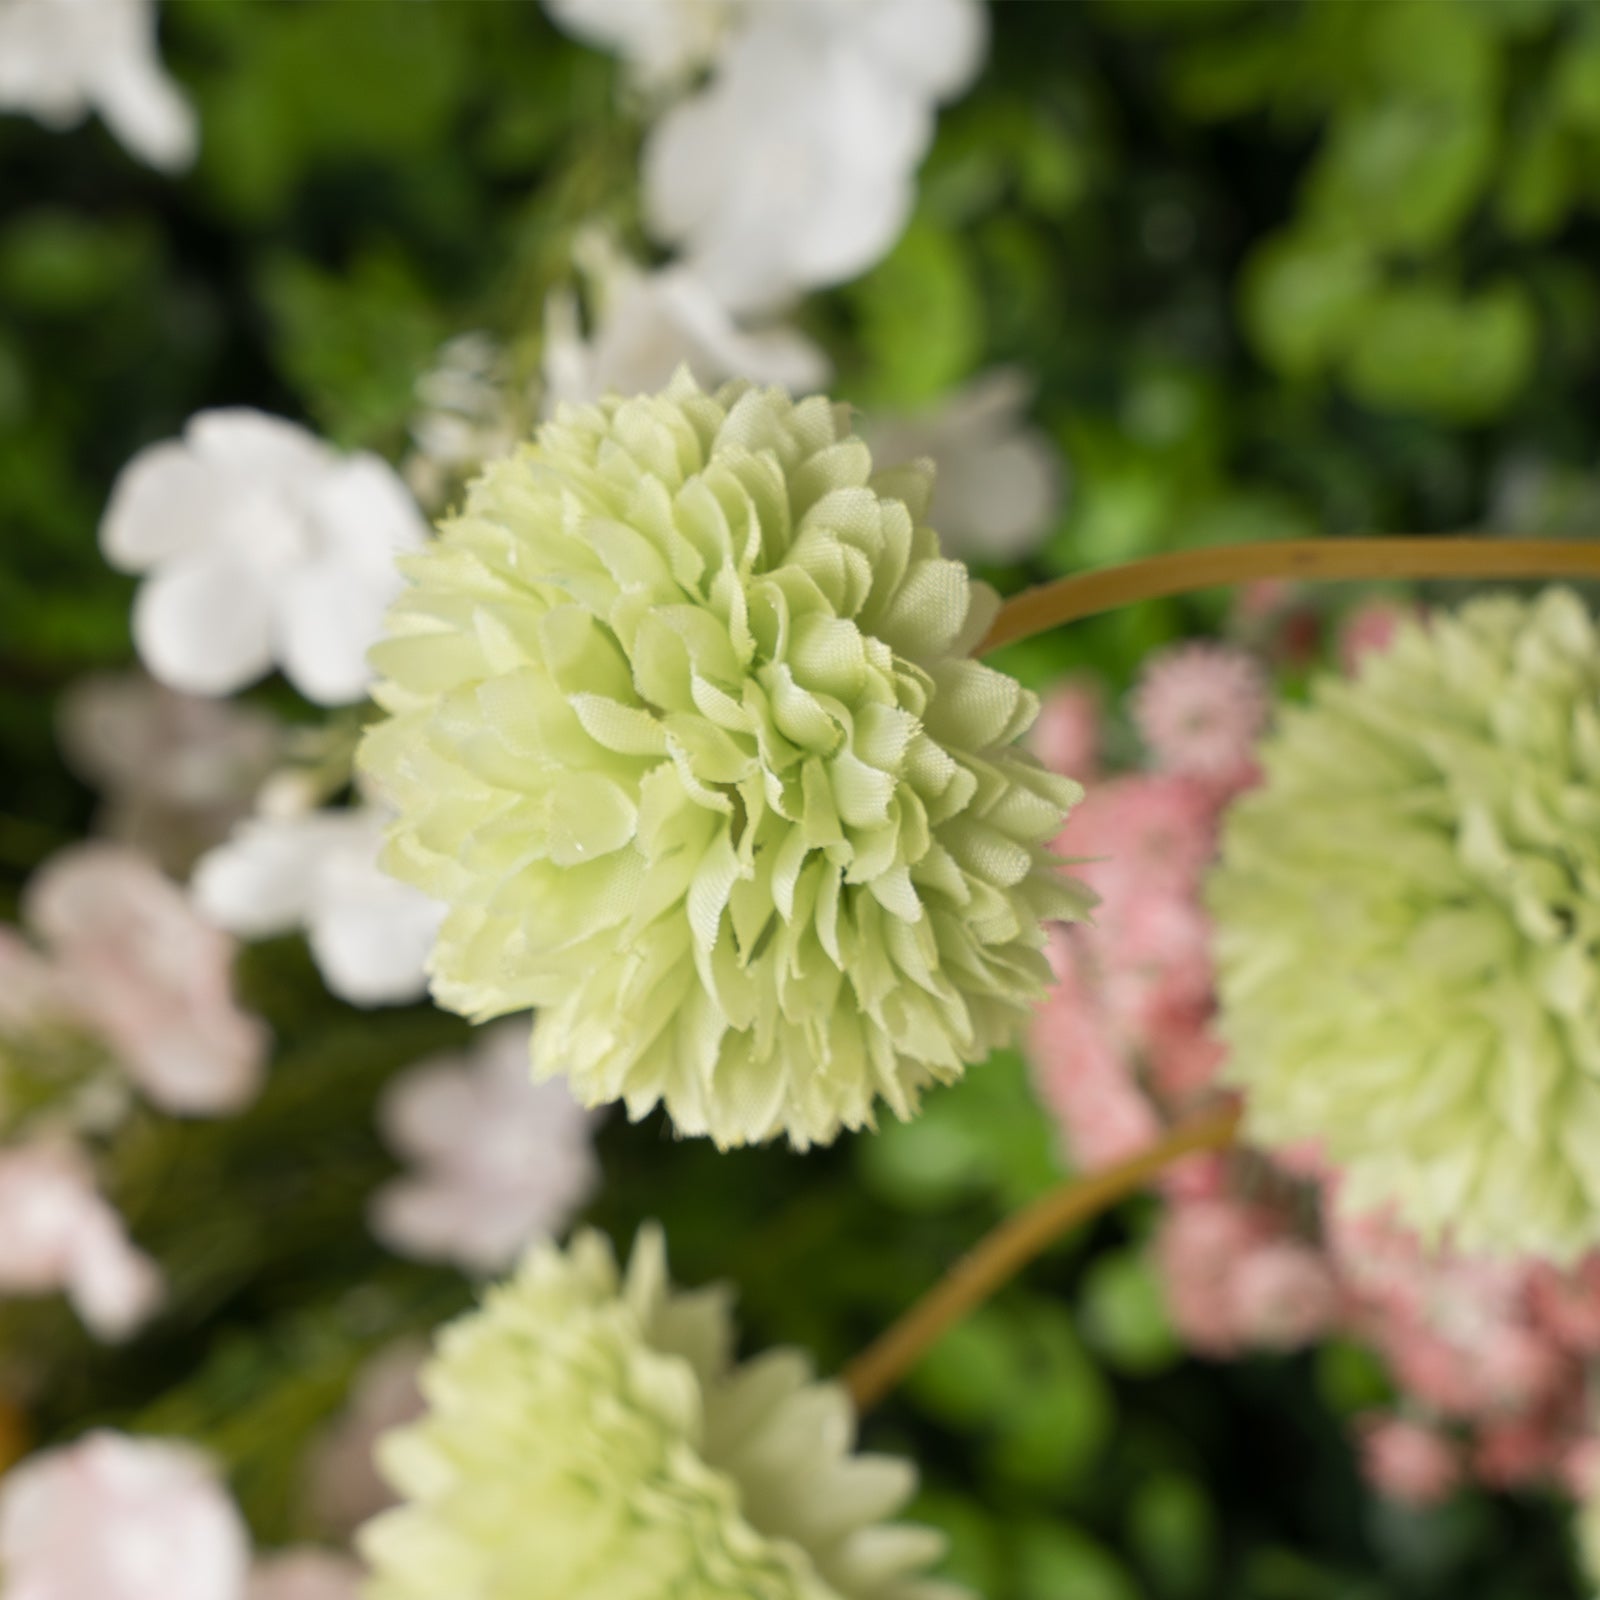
(1408, 928)
(686, 734)
(590, 1439)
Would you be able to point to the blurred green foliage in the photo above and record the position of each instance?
(1274, 266)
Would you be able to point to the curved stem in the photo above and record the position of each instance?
(1179, 571)
(1003, 1252)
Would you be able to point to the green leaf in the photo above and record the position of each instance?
(1424, 348)
(921, 318)
(1303, 298)
(1125, 1316)
(1058, 1562)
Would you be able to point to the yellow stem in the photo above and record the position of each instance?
(1178, 572)
(1004, 1251)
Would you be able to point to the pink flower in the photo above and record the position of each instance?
(1084, 1079)
(1568, 1303)
(305, 1574)
(1140, 833)
(148, 975)
(1369, 630)
(1066, 735)
(57, 1233)
(1199, 1244)
(33, 993)
(1407, 1461)
(177, 770)
(345, 1486)
(117, 1518)
(1284, 1296)
(1580, 1469)
(502, 1160)
(1182, 1053)
(1201, 707)
(1517, 1453)
(1274, 618)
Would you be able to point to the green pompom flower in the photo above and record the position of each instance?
(685, 732)
(592, 1438)
(1408, 926)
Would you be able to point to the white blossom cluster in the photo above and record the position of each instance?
(782, 158)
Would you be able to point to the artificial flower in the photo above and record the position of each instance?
(997, 481)
(177, 770)
(119, 1518)
(149, 977)
(499, 1161)
(306, 1573)
(344, 1488)
(794, 168)
(62, 59)
(685, 730)
(1408, 928)
(663, 42)
(1200, 708)
(590, 1433)
(57, 1233)
(1409, 1461)
(469, 411)
(261, 545)
(370, 936)
(645, 325)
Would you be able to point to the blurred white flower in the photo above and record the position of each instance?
(648, 324)
(345, 1487)
(177, 771)
(263, 545)
(998, 482)
(305, 1574)
(370, 934)
(664, 42)
(500, 1159)
(62, 59)
(794, 167)
(118, 1518)
(470, 412)
(147, 975)
(57, 1233)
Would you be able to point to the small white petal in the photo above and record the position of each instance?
(202, 624)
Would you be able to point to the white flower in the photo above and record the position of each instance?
(263, 545)
(61, 59)
(471, 411)
(118, 1518)
(997, 486)
(177, 770)
(648, 324)
(57, 1233)
(345, 1487)
(663, 42)
(149, 977)
(370, 934)
(501, 1160)
(794, 168)
(305, 1574)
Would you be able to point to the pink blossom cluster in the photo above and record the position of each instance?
(1492, 1361)
(122, 987)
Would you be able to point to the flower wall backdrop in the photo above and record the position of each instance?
(666, 727)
